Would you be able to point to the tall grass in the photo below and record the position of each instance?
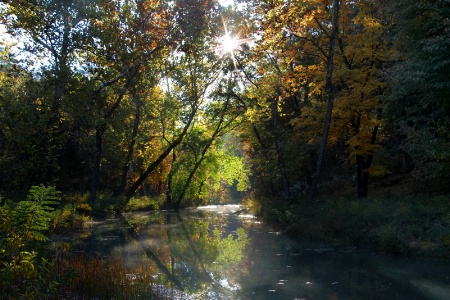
(108, 278)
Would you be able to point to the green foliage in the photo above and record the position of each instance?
(218, 171)
(417, 106)
(31, 217)
(71, 214)
(145, 203)
(107, 205)
(24, 273)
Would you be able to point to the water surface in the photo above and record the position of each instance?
(221, 252)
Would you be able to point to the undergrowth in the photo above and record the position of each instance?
(25, 271)
(413, 225)
(145, 203)
(108, 278)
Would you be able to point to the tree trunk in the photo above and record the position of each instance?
(362, 177)
(136, 185)
(280, 157)
(362, 164)
(330, 93)
(169, 198)
(130, 150)
(180, 198)
(202, 157)
(95, 180)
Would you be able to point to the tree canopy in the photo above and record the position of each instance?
(140, 96)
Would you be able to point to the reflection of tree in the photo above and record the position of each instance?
(217, 256)
(230, 248)
(195, 255)
(133, 233)
(192, 246)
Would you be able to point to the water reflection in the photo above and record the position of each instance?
(222, 253)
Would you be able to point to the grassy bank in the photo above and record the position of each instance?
(416, 225)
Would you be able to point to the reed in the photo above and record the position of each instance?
(108, 278)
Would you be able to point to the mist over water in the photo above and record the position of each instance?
(222, 252)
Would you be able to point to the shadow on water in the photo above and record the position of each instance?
(219, 252)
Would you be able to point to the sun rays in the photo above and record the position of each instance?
(227, 44)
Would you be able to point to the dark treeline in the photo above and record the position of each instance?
(125, 97)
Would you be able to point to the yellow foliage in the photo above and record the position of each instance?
(378, 170)
(85, 207)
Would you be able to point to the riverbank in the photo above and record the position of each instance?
(396, 219)
(414, 225)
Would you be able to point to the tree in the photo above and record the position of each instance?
(191, 94)
(330, 100)
(297, 51)
(55, 34)
(324, 106)
(146, 24)
(220, 118)
(417, 107)
(363, 53)
(193, 69)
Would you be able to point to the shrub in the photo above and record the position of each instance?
(24, 273)
(145, 203)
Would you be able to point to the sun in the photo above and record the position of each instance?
(229, 43)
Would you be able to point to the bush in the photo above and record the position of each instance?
(24, 272)
(145, 203)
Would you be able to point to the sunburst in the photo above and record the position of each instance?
(227, 44)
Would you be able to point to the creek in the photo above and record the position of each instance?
(222, 252)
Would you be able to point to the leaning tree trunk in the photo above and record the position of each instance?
(100, 130)
(150, 168)
(330, 93)
(202, 156)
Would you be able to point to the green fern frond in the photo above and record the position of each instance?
(32, 215)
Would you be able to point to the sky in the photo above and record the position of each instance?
(226, 2)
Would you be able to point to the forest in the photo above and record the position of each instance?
(114, 98)
(278, 104)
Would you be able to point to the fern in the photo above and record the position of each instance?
(32, 215)
(24, 272)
